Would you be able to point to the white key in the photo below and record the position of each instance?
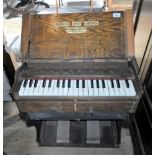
(45, 93)
(55, 88)
(106, 89)
(101, 90)
(127, 90)
(26, 91)
(31, 89)
(111, 90)
(36, 89)
(95, 88)
(116, 89)
(85, 90)
(65, 90)
(132, 89)
(51, 89)
(80, 88)
(90, 90)
(22, 88)
(71, 89)
(75, 90)
(41, 89)
(60, 88)
(121, 89)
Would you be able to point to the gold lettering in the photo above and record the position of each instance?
(62, 24)
(91, 23)
(76, 23)
(76, 29)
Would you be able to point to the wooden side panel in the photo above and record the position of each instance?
(130, 33)
(25, 35)
(78, 35)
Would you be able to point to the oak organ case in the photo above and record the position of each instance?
(76, 46)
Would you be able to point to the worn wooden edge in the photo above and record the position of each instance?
(135, 70)
(125, 36)
(33, 61)
(130, 32)
(25, 35)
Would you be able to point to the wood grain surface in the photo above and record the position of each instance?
(50, 39)
(71, 45)
(77, 70)
(68, 106)
(25, 36)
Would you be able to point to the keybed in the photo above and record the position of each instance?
(77, 87)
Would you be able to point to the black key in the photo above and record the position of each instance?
(58, 83)
(127, 83)
(103, 84)
(69, 83)
(25, 83)
(118, 84)
(49, 84)
(30, 83)
(35, 83)
(92, 84)
(63, 84)
(44, 83)
(97, 83)
(77, 83)
(83, 83)
(112, 84)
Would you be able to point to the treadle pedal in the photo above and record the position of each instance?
(93, 132)
(79, 133)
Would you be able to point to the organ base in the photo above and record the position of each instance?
(80, 133)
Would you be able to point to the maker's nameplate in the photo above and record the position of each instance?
(76, 26)
(76, 29)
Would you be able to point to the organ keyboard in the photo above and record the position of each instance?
(78, 87)
(76, 66)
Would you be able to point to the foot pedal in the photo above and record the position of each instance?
(63, 131)
(79, 133)
(93, 132)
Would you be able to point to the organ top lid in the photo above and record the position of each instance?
(64, 36)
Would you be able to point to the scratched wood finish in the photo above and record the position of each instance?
(51, 52)
(47, 106)
(83, 104)
(130, 33)
(47, 41)
(67, 104)
(76, 69)
(25, 36)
